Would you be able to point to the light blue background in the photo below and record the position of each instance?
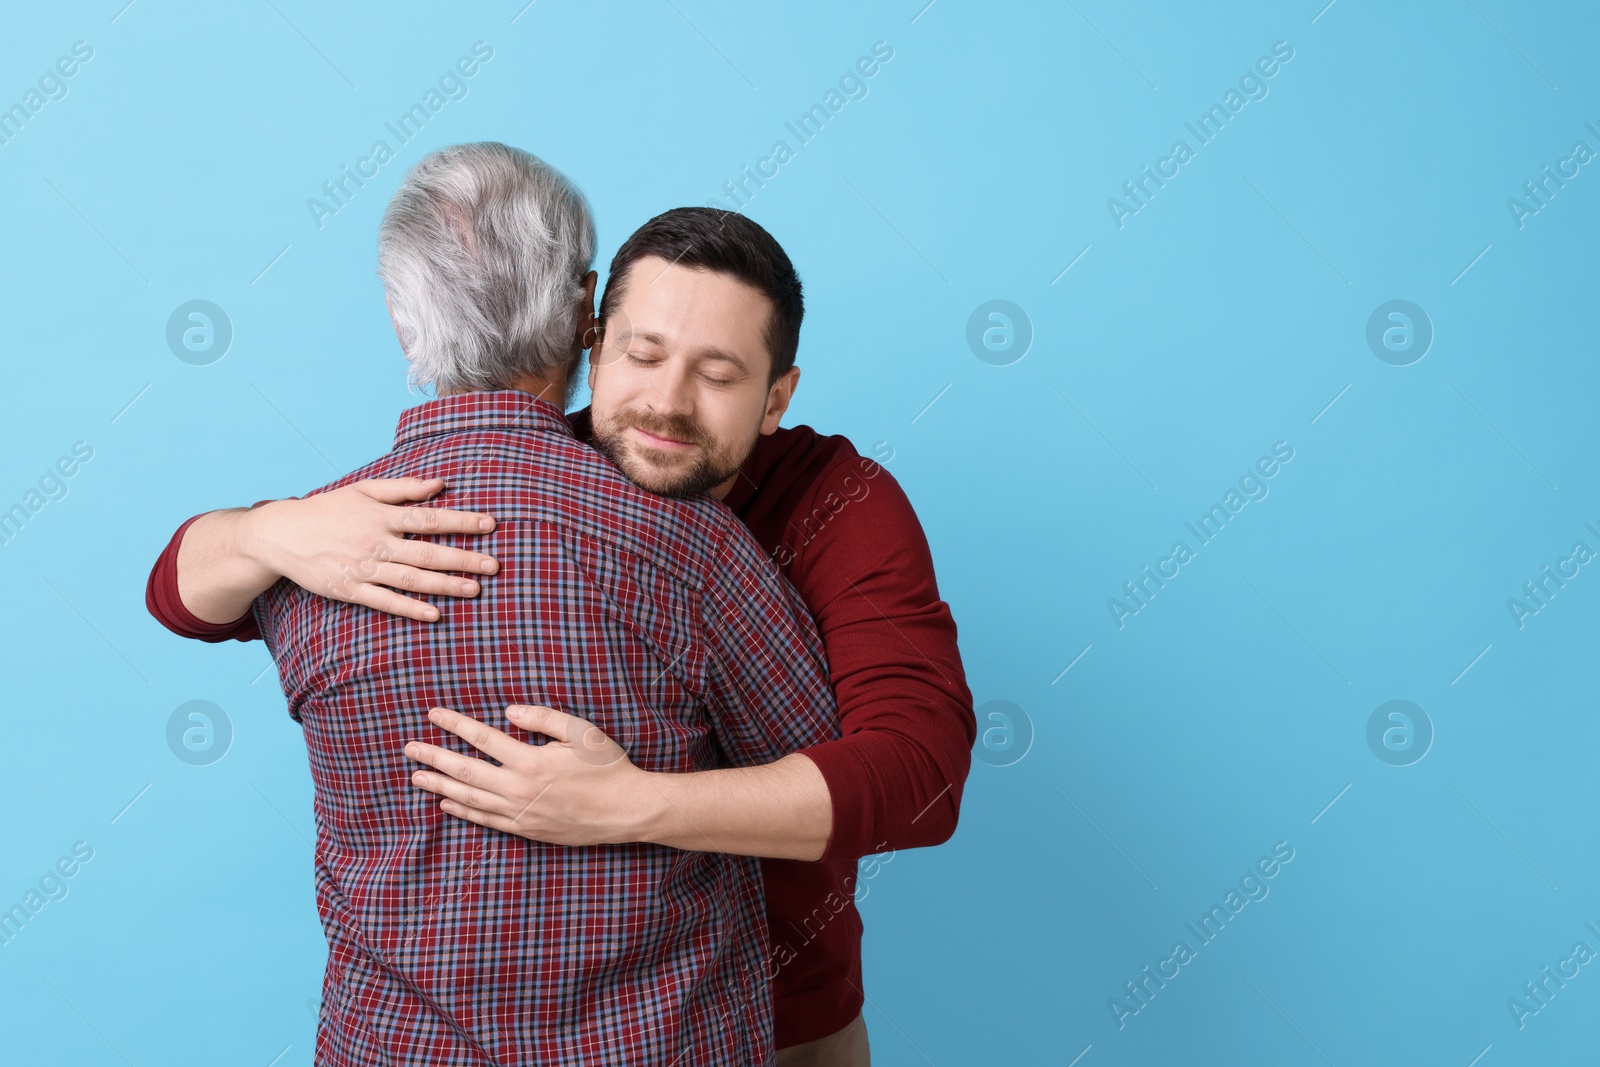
(1223, 317)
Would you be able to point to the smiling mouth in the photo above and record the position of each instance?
(658, 441)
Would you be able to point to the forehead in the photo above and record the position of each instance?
(694, 310)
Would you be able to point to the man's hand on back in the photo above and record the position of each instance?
(580, 788)
(347, 544)
(577, 789)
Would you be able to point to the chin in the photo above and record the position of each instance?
(653, 479)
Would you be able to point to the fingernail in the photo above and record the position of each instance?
(485, 525)
(469, 588)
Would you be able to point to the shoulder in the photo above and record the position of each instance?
(808, 493)
(788, 468)
(801, 454)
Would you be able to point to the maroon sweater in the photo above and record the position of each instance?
(842, 531)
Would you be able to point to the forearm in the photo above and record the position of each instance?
(217, 577)
(781, 810)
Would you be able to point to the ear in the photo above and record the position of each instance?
(778, 398)
(588, 324)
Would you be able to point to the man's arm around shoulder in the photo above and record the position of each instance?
(353, 543)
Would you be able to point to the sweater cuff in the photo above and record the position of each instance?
(866, 774)
(165, 603)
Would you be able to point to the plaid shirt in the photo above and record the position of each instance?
(659, 620)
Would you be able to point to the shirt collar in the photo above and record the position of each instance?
(496, 409)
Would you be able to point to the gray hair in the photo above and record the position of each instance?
(482, 252)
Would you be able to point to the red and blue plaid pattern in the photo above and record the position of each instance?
(659, 620)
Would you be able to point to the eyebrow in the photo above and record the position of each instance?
(709, 352)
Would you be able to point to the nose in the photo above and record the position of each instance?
(673, 394)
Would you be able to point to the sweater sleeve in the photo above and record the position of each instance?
(859, 557)
(162, 600)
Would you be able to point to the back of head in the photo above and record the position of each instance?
(482, 253)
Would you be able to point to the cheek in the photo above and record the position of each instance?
(609, 388)
(733, 421)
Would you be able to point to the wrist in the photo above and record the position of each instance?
(250, 541)
(650, 809)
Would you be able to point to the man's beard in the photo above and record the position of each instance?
(682, 473)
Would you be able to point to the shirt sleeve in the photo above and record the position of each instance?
(896, 775)
(766, 672)
(162, 600)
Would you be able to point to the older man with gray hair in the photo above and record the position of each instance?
(658, 620)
